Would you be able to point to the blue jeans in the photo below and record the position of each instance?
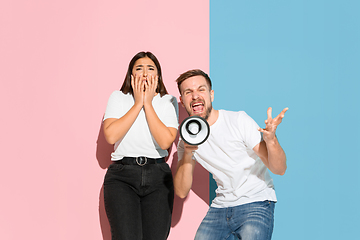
(139, 201)
(252, 221)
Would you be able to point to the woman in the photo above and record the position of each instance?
(141, 120)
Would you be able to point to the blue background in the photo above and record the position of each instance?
(304, 55)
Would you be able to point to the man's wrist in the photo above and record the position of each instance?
(271, 141)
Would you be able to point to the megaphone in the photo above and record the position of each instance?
(194, 130)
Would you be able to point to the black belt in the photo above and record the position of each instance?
(141, 161)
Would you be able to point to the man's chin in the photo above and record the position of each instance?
(198, 114)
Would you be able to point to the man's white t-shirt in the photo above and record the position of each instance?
(240, 174)
(138, 141)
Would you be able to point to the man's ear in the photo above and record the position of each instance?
(212, 95)
(181, 101)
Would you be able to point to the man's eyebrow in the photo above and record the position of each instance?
(189, 89)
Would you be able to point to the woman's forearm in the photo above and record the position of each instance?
(115, 129)
(163, 135)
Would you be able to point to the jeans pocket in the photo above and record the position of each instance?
(164, 167)
(116, 167)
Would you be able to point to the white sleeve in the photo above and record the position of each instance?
(170, 114)
(249, 129)
(113, 108)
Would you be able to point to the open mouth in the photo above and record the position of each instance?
(197, 107)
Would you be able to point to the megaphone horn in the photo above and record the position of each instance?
(194, 130)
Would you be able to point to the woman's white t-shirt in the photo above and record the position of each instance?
(138, 141)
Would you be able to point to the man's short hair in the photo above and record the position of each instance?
(193, 73)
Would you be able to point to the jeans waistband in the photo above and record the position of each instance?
(141, 161)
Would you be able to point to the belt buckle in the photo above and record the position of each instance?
(139, 161)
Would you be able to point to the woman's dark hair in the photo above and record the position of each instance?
(127, 88)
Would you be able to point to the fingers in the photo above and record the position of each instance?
(135, 82)
(132, 81)
(139, 85)
(261, 130)
(282, 114)
(269, 112)
(277, 120)
(150, 89)
(138, 89)
(152, 83)
(193, 147)
(190, 148)
(156, 82)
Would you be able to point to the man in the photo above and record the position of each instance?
(238, 154)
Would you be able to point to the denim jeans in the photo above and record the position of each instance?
(252, 221)
(139, 201)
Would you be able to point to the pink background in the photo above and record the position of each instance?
(59, 62)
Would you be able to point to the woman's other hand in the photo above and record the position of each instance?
(138, 89)
(150, 89)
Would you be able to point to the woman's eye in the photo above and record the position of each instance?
(152, 69)
(137, 69)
